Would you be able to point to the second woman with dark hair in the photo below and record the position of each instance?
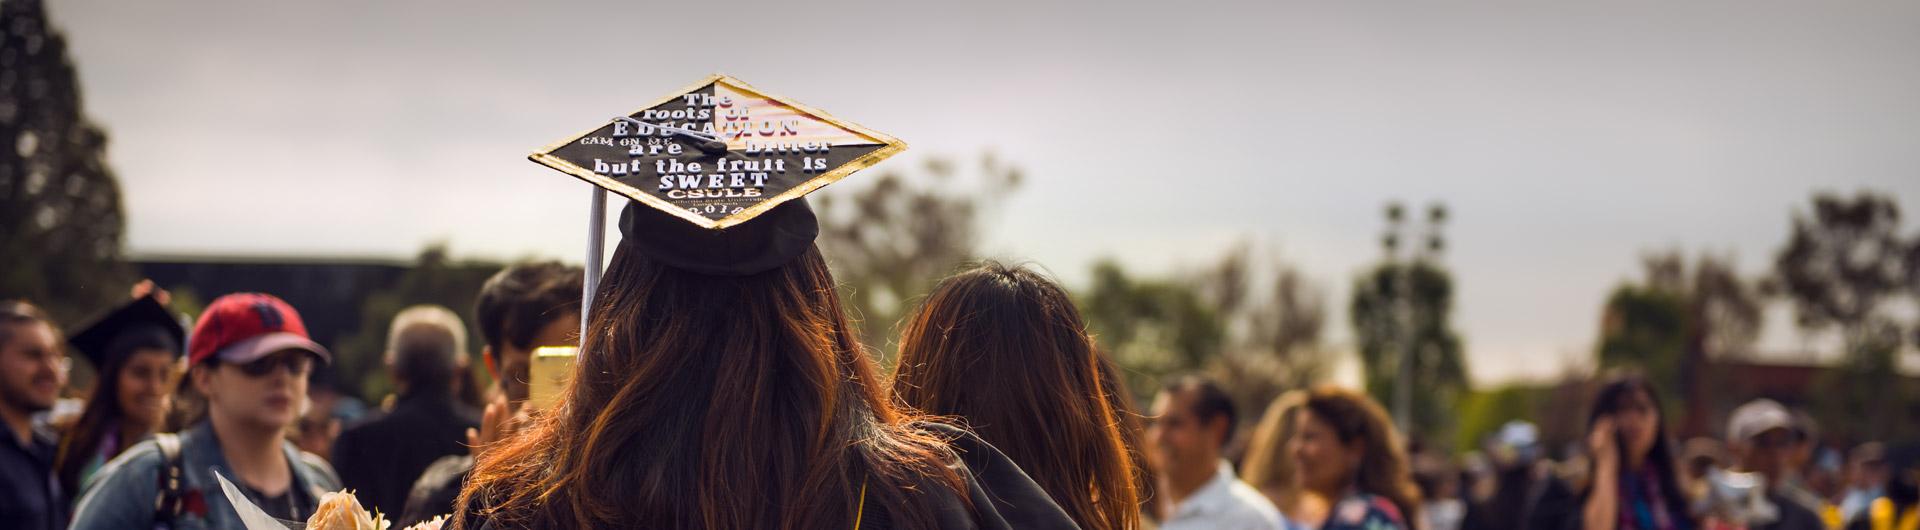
(1635, 484)
(1003, 349)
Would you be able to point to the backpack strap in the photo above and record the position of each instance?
(168, 504)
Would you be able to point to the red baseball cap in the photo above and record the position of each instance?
(242, 327)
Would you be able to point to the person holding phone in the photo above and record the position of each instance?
(1635, 483)
(520, 309)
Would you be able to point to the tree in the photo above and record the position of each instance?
(1401, 315)
(1290, 325)
(1151, 327)
(1482, 412)
(1724, 306)
(1645, 328)
(1843, 267)
(1439, 366)
(1272, 331)
(61, 222)
(891, 241)
(1284, 320)
(1844, 263)
(1256, 339)
(1675, 323)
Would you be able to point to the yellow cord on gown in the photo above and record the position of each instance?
(860, 512)
(1881, 516)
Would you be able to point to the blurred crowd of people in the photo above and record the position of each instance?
(1000, 413)
(169, 410)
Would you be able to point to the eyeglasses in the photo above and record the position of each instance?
(1775, 440)
(296, 363)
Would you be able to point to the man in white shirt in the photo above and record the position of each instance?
(1192, 419)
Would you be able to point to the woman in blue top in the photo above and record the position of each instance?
(1345, 448)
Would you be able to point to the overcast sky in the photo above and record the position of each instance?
(1566, 140)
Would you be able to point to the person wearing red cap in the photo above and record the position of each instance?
(249, 356)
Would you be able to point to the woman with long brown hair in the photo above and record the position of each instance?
(135, 351)
(1347, 451)
(1003, 349)
(721, 386)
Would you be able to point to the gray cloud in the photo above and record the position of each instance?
(1566, 139)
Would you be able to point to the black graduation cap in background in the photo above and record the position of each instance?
(717, 174)
(142, 323)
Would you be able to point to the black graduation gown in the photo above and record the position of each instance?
(1003, 496)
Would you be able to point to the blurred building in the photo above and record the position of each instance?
(328, 292)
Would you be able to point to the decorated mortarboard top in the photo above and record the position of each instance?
(143, 321)
(718, 153)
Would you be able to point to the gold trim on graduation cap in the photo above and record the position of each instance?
(787, 136)
(141, 324)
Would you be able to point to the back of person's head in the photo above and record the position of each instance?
(426, 347)
(706, 401)
(1355, 418)
(1210, 403)
(518, 301)
(1004, 349)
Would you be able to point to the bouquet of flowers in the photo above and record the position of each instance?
(338, 510)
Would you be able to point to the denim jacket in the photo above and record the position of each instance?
(121, 495)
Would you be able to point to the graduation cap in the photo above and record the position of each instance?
(141, 324)
(716, 173)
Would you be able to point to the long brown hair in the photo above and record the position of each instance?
(1004, 349)
(1383, 465)
(1132, 433)
(715, 402)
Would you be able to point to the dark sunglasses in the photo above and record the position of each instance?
(1775, 441)
(296, 363)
